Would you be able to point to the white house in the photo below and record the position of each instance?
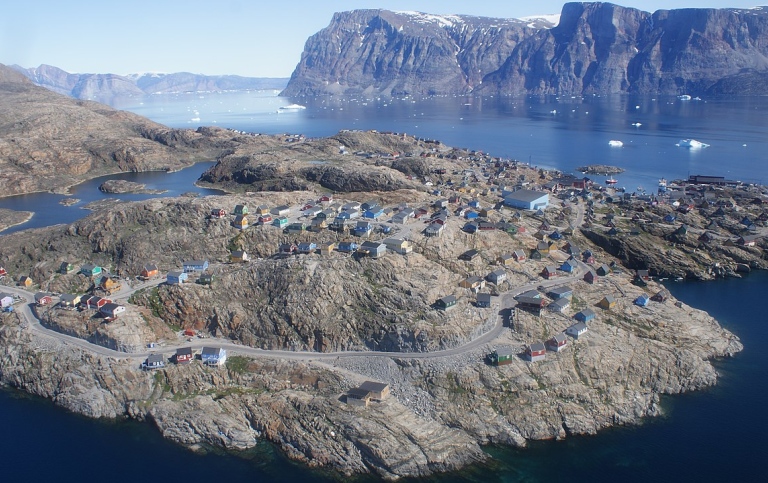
(527, 199)
(576, 330)
(6, 300)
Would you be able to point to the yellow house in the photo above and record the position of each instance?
(607, 303)
(241, 222)
(25, 281)
(327, 248)
(238, 256)
(108, 284)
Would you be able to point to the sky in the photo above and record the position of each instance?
(240, 37)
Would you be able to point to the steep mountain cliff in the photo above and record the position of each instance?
(107, 87)
(597, 48)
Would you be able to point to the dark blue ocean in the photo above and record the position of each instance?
(712, 435)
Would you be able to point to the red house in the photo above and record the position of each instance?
(557, 343)
(42, 298)
(536, 352)
(549, 272)
(590, 276)
(3, 273)
(325, 198)
(184, 355)
(97, 302)
(265, 219)
(218, 213)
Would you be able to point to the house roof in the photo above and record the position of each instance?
(578, 327)
(154, 358)
(484, 297)
(525, 195)
(110, 307)
(560, 303)
(564, 289)
(537, 346)
(358, 393)
(504, 351)
(184, 351)
(211, 351)
(559, 338)
(587, 313)
(373, 386)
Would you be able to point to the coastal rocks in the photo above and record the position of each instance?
(601, 169)
(9, 218)
(119, 186)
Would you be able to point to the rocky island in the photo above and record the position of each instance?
(119, 186)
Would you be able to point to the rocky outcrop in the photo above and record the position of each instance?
(597, 48)
(119, 186)
(110, 88)
(49, 141)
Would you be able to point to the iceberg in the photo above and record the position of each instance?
(291, 107)
(615, 143)
(691, 143)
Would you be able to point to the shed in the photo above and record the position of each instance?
(484, 300)
(378, 391)
(607, 302)
(557, 343)
(642, 300)
(576, 330)
(446, 302)
(501, 356)
(536, 352)
(585, 315)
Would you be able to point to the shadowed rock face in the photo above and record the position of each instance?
(49, 141)
(597, 48)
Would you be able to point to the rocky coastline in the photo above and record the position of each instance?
(119, 186)
(599, 169)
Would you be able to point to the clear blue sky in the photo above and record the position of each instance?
(244, 37)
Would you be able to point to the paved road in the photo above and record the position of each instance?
(505, 298)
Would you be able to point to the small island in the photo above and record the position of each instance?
(120, 186)
(9, 218)
(600, 169)
(69, 201)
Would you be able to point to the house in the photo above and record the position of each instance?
(661, 296)
(3, 272)
(486, 226)
(569, 266)
(184, 355)
(501, 356)
(368, 205)
(470, 227)
(590, 276)
(241, 210)
(531, 304)
(374, 212)
(446, 302)
(262, 210)
(154, 361)
(317, 225)
(506, 259)
(378, 391)
(213, 356)
(373, 249)
(218, 213)
(607, 302)
(97, 303)
(470, 215)
(351, 206)
(69, 300)
(549, 272)
(25, 281)
(434, 229)
(603, 270)
(240, 222)
(149, 271)
(307, 247)
(66, 268)
(559, 305)
(327, 248)
(527, 199)
(326, 198)
(6, 300)
(748, 240)
(469, 255)
(176, 277)
(398, 245)
(557, 343)
(576, 330)
(205, 279)
(483, 300)
(497, 276)
(84, 301)
(295, 228)
(536, 352)
(90, 270)
(358, 397)
(281, 210)
(585, 315)
(561, 292)
(642, 300)
(195, 266)
(280, 222)
(670, 218)
(543, 247)
(42, 298)
(111, 310)
(288, 249)
(238, 256)
(473, 283)
(362, 228)
(109, 284)
(518, 255)
(312, 211)
(401, 217)
(265, 219)
(348, 247)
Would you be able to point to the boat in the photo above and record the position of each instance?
(684, 97)
(691, 143)
(662, 185)
(291, 107)
(637, 124)
(611, 181)
(615, 143)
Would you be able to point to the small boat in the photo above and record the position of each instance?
(684, 97)
(611, 181)
(615, 143)
(637, 124)
(691, 143)
(291, 107)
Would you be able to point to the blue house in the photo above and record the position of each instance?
(527, 199)
(471, 215)
(348, 247)
(569, 266)
(585, 315)
(470, 228)
(474, 204)
(307, 247)
(176, 277)
(196, 266)
(213, 356)
(374, 212)
(670, 218)
(363, 228)
(642, 300)
(555, 235)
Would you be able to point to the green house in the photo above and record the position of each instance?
(446, 302)
(66, 267)
(241, 209)
(205, 279)
(281, 222)
(500, 357)
(90, 270)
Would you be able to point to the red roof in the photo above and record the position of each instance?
(189, 332)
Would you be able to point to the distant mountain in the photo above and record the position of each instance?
(49, 141)
(594, 48)
(107, 87)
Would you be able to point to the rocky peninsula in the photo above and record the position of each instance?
(120, 186)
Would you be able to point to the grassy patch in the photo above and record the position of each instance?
(238, 364)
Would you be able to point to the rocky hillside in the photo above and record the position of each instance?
(106, 88)
(49, 141)
(597, 48)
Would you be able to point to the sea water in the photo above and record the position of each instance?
(717, 434)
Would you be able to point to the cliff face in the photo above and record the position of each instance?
(597, 48)
(107, 88)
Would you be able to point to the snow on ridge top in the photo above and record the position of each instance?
(442, 20)
(542, 21)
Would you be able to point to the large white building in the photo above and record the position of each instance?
(527, 199)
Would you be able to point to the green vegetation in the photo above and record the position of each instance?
(155, 305)
(238, 364)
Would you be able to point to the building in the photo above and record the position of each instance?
(307, 247)
(549, 272)
(238, 256)
(473, 283)
(576, 330)
(348, 247)
(434, 229)
(560, 292)
(642, 300)
(373, 249)
(42, 298)
(213, 356)
(69, 300)
(446, 302)
(25, 281)
(518, 255)
(398, 245)
(497, 276)
(281, 210)
(111, 310)
(469, 255)
(154, 361)
(501, 356)
(195, 266)
(608, 302)
(358, 397)
(585, 315)
(483, 300)
(527, 199)
(557, 342)
(218, 213)
(90, 270)
(536, 352)
(176, 277)
(240, 222)
(327, 248)
(149, 271)
(184, 355)
(241, 210)
(66, 267)
(378, 391)
(6, 300)
(559, 305)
